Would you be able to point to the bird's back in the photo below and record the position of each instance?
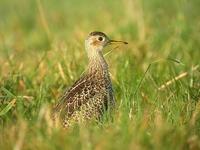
(87, 99)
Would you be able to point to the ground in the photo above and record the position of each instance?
(156, 78)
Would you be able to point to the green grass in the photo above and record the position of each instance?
(42, 53)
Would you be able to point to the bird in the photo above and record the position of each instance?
(92, 94)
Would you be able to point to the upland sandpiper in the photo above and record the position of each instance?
(92, 94)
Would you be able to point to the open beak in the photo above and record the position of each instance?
(116, 42)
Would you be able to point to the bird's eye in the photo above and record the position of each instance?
(100, 38)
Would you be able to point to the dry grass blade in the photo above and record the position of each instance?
(21, 136)
(62, 74)
(8, 107)
(166, 84)
(43, 19)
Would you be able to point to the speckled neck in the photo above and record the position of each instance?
(98, 63)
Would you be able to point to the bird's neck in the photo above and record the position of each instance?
(97, 63)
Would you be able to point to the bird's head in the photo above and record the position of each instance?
(96, 41)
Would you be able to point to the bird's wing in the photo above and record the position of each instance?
(92, 109)
(79, 94)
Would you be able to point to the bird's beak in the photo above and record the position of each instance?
(116, 42)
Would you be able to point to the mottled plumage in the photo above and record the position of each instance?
(92, 94)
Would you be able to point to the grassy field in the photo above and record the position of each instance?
(42, 53)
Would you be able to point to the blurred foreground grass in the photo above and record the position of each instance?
(42, 53)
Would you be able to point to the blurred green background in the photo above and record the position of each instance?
(42, 53)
